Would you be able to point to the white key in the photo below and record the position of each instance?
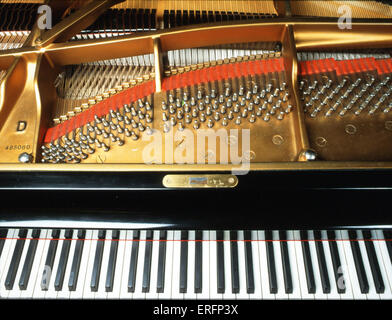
(388, 292)
(5, 260)
(344, 273)
(51, 293)
(152, 294)
(296, 295)
(333, 295)
(242, 294)
(176, 267)
(139, 294)
(64, 293)
(281, 294)
(190, 294)
(167, 290)
(256, 267)
(319, 294)
(34, 274)
(372, 295)
(351, 267)
(15, 292)
(82, 277)
(213, 268)
(264, 267)
(301, 267)
(118, 273)
(87, 293)
(124, 294)
(205, 294)
(38, 293)
(228, 295)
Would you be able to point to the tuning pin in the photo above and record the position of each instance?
(224, 122)
(269, 87)
(262, 94)
(215, 105)
(241, 91)
(202, 117)
(266, 117)
(235, 97)
(210, 123)
(250, 106)
(179, 114)
(178, 103)
(229, 103)
(193, 101)
(201, 106)
(243, 102)
(238, 120)
(166, 127)
(171, 98)
(207, 99)
(285, 97)
(252, 118)
(172, 109)
(195, 113)
(248, 95)
(223, 110)
(213, 94)
(185, 96)
(255, 89)
(221, 98)
(181, 126)
(196, 124)
(280, 115)
(244, 113)
(188, 119)
(149, 131)
(236, 108)
(283, 86)
(199, 95)
(227, 91)
(216, 116)
(230, 116)
(208, 111)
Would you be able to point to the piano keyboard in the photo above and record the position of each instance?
(160, 264)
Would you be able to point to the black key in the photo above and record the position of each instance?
(220, 262)
(73, 277)
(271, 262)
(336, 263)
(161, 261)
(112, 261)
(25, 276)
(47, 272)
(361, 274)
(388, 242)
(3, 236)
(199, 262)
(94, 284)
(250, 281)
(147, 262)
(235, 276)
(308, 262)
(373, 261)
(133, 265)
(58, 283)
(9, 281)
(288, 281)
(326, 285)
(184, 262)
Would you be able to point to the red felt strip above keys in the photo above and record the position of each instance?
(216, 73)
(344, 67)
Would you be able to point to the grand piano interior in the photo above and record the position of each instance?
(298, 94)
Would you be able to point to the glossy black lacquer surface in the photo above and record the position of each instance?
(265, 200)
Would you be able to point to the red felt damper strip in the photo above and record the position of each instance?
(98, 109)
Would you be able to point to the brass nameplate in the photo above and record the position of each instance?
(200, 181)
